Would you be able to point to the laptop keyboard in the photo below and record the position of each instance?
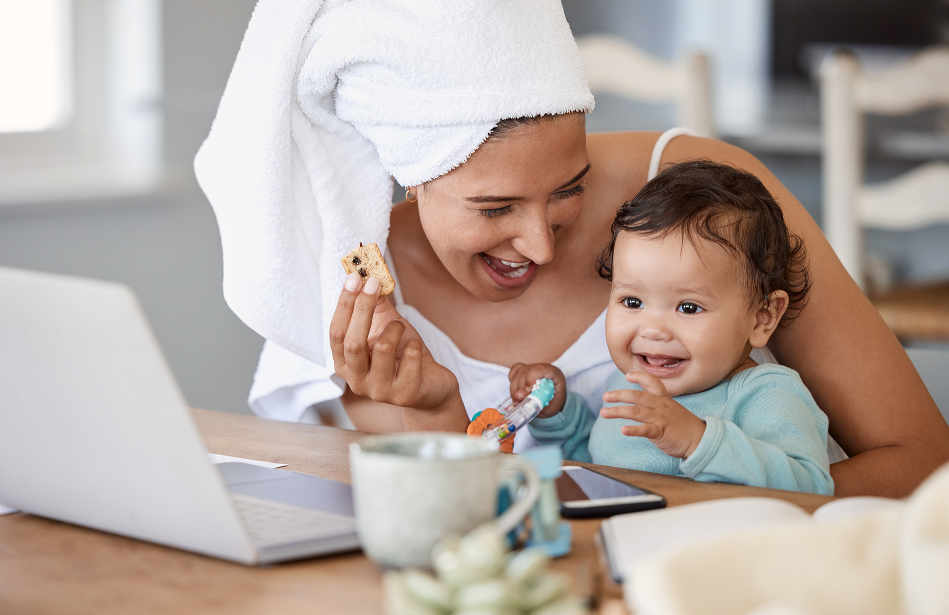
(273, 523)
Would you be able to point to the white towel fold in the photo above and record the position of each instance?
(327, 99)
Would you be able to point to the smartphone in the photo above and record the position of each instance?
(585, 493)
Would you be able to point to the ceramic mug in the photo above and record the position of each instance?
(412, 490)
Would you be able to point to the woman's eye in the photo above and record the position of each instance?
(575, 191)
(490, 213)
(687, 307)
(632, 303)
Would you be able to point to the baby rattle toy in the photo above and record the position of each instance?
(501, 425)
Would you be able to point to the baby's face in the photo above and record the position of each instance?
(678, 313)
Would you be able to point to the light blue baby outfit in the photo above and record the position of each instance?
(763, 428)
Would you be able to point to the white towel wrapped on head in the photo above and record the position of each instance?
(327, 99)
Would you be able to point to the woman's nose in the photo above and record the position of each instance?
(535, 238)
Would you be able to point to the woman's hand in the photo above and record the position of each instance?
(523, 378)
(665, 422)
(381, 356)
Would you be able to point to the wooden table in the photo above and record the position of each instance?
(52, 567)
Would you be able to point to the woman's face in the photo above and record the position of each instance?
(496, 218)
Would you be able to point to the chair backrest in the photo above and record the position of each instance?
(933, 368)
(615, 66)
(915, 199)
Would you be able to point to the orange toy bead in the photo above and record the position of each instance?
(484, 419)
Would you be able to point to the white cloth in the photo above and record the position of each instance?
(892, 561)
(660, 147)
(327, 99)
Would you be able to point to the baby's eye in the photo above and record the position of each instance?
(490, 213)
(687, 307)
(632, 303)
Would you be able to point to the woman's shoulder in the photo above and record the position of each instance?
(634, 149)
(622, 154)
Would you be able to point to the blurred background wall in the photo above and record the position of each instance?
(162, 239)
(164, 242)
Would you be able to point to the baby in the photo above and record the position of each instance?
(703, 270)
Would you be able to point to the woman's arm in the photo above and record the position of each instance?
(880, 412)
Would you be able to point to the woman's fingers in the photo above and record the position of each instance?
(382, 315)
(355, 344)
(408, 377)
(383, 358)
(339, 325)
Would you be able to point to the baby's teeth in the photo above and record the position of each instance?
(513, 264)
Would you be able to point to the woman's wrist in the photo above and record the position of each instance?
(448, 415)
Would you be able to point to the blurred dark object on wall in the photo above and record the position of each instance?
(900, 23)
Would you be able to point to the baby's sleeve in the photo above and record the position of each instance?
(774, 435)
(569, 429)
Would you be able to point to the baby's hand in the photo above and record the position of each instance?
(665, 422)
(523, 378)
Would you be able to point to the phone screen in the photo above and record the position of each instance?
(576, 484)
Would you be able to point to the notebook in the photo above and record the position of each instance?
(94, 431)
(631, 538)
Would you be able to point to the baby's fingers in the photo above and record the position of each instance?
(524, 376)
(646, 430)
(635, 413)
(631, 396)
(648, 382)
(517, 376)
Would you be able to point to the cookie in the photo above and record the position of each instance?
(367, 261)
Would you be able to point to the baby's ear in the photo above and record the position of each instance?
(767, 318)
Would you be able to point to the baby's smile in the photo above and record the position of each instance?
(662, 366)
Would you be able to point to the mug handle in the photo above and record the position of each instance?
(522, 507)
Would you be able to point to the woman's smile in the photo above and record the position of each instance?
(508, 274)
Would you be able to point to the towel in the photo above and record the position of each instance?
(887, 562)
(328, 99)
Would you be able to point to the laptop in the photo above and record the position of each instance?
(94, 431)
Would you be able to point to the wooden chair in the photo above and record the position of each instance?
(913, 200)
(614, 66)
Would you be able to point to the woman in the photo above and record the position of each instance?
(494, 253)
(879, 411)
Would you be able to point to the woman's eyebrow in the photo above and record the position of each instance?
(491, 199)
(578, 177)
(504, 199)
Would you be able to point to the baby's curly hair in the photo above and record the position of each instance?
(729, 207)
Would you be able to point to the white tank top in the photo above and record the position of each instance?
(286, 386)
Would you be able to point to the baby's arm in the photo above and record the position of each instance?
(777, 438)
(566, 421)
(664, 421)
